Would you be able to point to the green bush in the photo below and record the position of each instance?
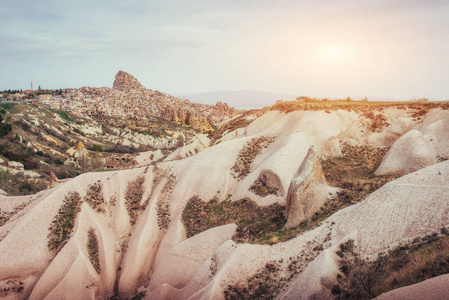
(8, 105)
(5, 128)
(97, 148)
(64, 115)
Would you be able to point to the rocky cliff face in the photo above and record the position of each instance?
(187, 117)
(125, 80)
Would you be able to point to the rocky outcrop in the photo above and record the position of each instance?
(165, 142)
(125, 80)
(409, 153)
(198, 143)
(16, 165)
(80, 151)
(54, 181)
(307, 191)
(187, 117)
(225, 109)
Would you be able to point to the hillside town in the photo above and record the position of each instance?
(127, 102)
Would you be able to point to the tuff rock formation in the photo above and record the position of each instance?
(125, 80)
(141, 241)
(409, 153)
(187, 117)
(307, 191)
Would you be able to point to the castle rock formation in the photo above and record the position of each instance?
(125, 80)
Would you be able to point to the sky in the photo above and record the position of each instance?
(380, 49)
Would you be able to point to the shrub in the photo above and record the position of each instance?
(5, 128)
(248, 154)
(92, 250)
(64, 115)
(263, 190)
(97, 148)
(256, 224)
(407, 264)
(63, 223)
(133, 198)
(19, 184)
(8, 105)
(95, 197)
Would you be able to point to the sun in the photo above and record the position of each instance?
(333, 52)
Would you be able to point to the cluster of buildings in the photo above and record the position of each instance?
(129, 103)
(130, 106)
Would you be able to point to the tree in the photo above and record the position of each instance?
(39, 88)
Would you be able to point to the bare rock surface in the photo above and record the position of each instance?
(307, 192)
(433, 288)
(409, 153)
(126, 81)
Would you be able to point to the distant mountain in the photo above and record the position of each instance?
(244, 99)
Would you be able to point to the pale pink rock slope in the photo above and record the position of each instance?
(162, 261)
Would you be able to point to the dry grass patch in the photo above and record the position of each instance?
(353, 172)
(248, 154)
(239, 122)
(407, 264)
(263, 190)
(133, 198)
(275, 276)
(62, 226)
(92, 249)
(289, 106)
(163, 204)
(378, 121)
(256, 224)
(5, 216)
(95, 197)
(19, 184)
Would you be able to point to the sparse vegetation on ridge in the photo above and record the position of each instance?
(378, 121)
(20, 184)
(274, 277)
(93, 250)
(95, 197)
(163, 202)
(133, 198)
(256, 224)
(353, 173)
(407, 264)
(11, 286)
(263, 190)
(248, 154)
(239, 122)
(289, 106)
(62, 226)
(5, 216)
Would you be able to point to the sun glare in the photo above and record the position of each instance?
(334, 52)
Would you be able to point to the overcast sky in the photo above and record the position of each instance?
(375, 48)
